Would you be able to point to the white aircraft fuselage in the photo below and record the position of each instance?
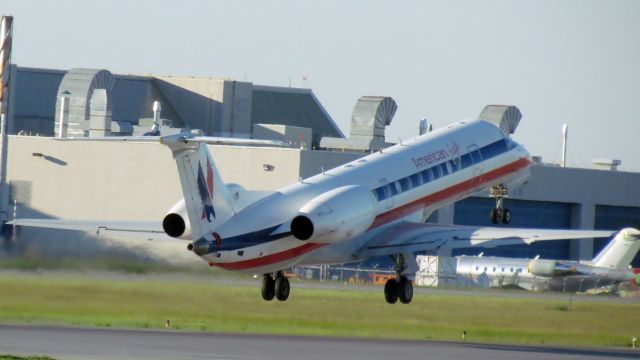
(338, 210)
(555, 275)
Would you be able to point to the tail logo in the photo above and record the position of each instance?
(205, 190)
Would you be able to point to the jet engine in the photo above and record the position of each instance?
(176, 222)
(549, 268)
(336, 215)
(542, 267)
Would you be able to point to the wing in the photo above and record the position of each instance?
(417, 237)
(147, 230)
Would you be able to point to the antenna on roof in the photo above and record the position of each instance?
(424, 127)
(565, 133)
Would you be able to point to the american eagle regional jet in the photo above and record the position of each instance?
(374, 206)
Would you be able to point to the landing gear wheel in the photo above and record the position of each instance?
(405, 290)
(497, 215)
(282, 288)
(391, 291)
(506, 216)
(494, 216)
(268, 288)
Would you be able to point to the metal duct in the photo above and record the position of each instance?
(506, 117)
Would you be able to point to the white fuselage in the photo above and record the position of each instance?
(566, 275)
(408, 182)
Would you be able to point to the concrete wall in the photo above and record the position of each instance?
(116, 181)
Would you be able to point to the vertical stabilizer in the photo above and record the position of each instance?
(206, 197)
(620, 251)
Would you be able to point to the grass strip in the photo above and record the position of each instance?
(190, 304)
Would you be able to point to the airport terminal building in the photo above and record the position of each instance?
(42, 177)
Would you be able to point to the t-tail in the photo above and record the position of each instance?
(620, 251)
(207, 200)
(206, 197)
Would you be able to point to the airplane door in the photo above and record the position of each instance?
(476, 157)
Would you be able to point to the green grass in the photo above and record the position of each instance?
(14, 357)
(197, 303)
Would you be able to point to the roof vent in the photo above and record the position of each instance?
(371, 115)
(506, 117)
(607, 164)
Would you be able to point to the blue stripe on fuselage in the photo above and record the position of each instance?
(249, 239)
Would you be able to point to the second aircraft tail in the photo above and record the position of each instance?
(620, 251)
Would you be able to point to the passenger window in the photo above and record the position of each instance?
(455, 165)
(445, 170)
(476, 156)
(415, 180)
(466, 161)
(494, 269)
(426, 176)
(404, 184)
(477, 267)
(436, 172)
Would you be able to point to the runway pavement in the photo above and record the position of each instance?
(89, 343)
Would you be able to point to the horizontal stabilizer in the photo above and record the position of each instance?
(184, 138)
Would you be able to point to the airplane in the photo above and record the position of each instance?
(609, 267)
(374, 206)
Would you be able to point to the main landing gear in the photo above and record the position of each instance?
(401, 288)
(499, 214)
(277, 287)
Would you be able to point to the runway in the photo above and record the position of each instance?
(86, 343)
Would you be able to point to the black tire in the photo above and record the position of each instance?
(506, 216)
(494, 216)
(268, 288)
(282, 288)
(405, 290)
(391, 291)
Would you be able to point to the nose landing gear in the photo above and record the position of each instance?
(499, 214)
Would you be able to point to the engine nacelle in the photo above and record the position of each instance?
(550, 268)
(542, 267)
(176, 222)
(336, 215)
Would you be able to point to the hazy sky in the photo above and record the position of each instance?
(574, 62)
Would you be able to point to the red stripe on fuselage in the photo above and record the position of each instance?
(384, 218)
(270, 259)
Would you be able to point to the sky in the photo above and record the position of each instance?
(573, 62)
